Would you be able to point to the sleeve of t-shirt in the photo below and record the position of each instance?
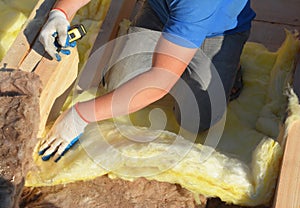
(191, 21)
(186, 25)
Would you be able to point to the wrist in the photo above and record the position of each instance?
(62, 11)
(80, 114)
(69, 7)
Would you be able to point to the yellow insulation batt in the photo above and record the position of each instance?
(91, 16)
(13, 14)
(241, 170)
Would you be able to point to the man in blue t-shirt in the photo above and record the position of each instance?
(220, 29)
(196, 59)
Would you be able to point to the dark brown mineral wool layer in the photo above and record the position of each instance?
(19, 119)
(111, 193)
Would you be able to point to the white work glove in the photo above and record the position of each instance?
(63, 135)
(54, 34)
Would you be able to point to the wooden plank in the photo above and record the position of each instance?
(33, 58)
(288, 188)
(29, 33)
(56, 78)
(117, 12)
(59, 103)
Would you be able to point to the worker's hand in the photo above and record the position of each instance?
(54, 34)
(63, 135)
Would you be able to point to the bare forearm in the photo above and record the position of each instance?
(169, 62)
(130, 97)
(70, 6)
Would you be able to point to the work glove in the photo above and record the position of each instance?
(54, 34)
(65, 132)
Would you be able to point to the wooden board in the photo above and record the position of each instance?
(56, 78)
(119, 10)
(288, 188)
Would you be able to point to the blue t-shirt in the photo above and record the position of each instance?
(189, 22)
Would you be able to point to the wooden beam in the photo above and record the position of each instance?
(56, 78)
(118, 10)
(33, 57)
(288, 188)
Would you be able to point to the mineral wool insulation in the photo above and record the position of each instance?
(241, 170)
